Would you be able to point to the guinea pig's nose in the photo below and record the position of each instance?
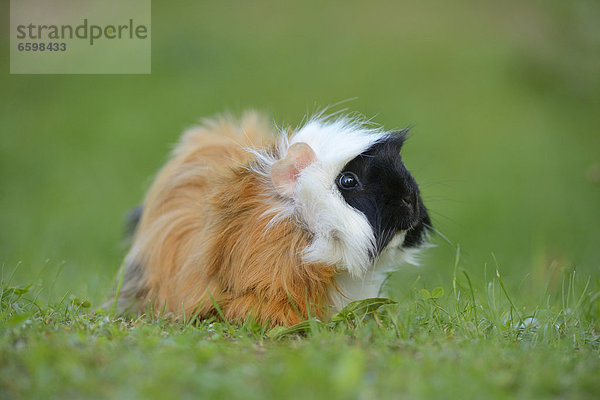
(408, 201)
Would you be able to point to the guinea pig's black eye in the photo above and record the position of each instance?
(348, 180)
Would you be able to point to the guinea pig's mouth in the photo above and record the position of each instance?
(405, 236)
(415, 236)
(409, 225)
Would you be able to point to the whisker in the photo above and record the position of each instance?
(438, 232)
(443, 216)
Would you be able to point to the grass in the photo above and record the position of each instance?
(503, 98)
(465, 342)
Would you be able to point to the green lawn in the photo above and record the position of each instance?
(503, 98)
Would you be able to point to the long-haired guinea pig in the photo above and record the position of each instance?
(274, 227)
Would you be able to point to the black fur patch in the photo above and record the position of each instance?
(387, 195)
(132, 220)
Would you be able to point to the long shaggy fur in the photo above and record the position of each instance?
(207, 237)
(248, 224)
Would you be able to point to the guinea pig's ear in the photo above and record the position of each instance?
(397, 138)
(284, 173)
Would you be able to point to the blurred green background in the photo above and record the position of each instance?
(503, 97)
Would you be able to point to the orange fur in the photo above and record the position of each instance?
(205, 239)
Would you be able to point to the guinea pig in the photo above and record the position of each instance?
(278, 227)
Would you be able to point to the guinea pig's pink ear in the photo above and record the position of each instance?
(284, 173)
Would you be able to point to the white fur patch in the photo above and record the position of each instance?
(337, 142)
(342, 235)
(351, 288)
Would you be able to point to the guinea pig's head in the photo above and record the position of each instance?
(345, 183)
